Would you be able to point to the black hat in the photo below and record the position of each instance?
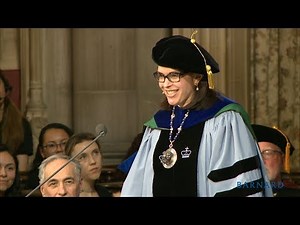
(180, 53)
(277, 137)
(273, 135)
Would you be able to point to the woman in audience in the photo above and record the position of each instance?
(90, 160)
(9, 174)
(15, 130)
(52, 140)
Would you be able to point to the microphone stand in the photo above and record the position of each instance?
(102, 133)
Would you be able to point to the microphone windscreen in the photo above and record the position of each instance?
(101, 128)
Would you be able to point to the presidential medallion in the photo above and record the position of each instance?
(168, 158)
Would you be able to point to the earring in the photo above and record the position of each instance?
(197, 88)
(162, 93)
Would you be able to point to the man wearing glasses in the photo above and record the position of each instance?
(276, 150)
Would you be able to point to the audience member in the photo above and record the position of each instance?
(276, 149)
(60, 177)
(52, 140)
(9, 174)
(91, 163)
(15, 130)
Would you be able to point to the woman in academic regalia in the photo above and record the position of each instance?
(200, 143)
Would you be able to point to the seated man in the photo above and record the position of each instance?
(276, 149)
(58, 178)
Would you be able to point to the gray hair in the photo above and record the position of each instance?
(53, 158)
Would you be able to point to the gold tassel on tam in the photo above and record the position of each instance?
(208, 68)
(287, 167)
(210, 77)
(192, 36)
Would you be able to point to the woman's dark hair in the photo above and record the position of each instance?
(12, 132)
(38, 157)
(7, 86)
(15, 189)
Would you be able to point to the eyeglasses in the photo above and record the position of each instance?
(270, 153)
(52, 146)
(172, 76)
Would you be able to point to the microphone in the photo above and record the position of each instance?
(100, 129)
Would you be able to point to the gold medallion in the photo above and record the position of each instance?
(168, 158)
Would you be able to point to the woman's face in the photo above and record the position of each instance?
(7, 171)
(179, 93)
(54, 142)
(90, 160)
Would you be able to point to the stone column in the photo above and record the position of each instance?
(31, 56)
(57, 75)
